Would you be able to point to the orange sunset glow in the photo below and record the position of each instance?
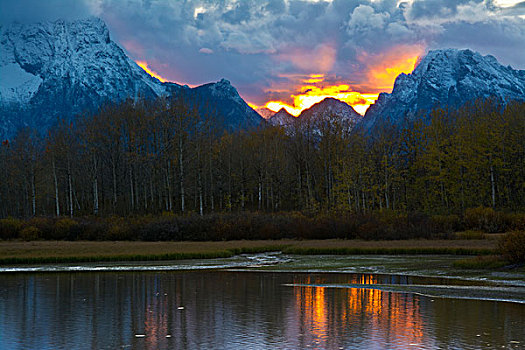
(313, 88)
(144, 65)
(311, 94)
(380, 77)
(386, 67)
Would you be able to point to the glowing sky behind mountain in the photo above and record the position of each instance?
(380, 77)
(144, 65)
(293, 53)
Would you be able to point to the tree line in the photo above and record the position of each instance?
(149, 157)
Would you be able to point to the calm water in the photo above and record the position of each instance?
(243, 310)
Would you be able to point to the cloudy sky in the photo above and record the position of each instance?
(293, 52)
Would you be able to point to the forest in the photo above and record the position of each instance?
(165, 158)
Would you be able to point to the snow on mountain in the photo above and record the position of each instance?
(446, 78)
(60, 69)
(16, 84)
(329, 109)
(328, 113)
(282, 117)
(333, 110)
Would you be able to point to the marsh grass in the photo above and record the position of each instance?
(469, 234)
(39, 252)
(481, 263)
(42, 252)
(386, 251)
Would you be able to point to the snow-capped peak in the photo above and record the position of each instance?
(446, 78)
(333, 109)
(59, 69)
(328, 111)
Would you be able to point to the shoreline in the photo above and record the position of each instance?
(49, 252)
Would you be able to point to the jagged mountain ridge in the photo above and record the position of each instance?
(446, 78)
(223, 101)
(281, 117)
(328, 110)
(59, 69)
(264, 112)
(331, 108)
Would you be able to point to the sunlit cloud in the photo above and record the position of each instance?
(197, 11)
(506, 3)
(206, 50)
(301, 92)
(316, 90)
(321, 59)
(314, 78)
(385, 67)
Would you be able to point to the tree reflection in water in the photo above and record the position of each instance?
(238, 310)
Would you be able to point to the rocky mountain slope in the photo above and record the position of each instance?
(223, 103)
(264, 112)
(59, 69)
(329, 110)
(446, 78)
(282, 117)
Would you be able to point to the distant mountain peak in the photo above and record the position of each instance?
(282, 117)
(329, 110)
(331, 100)
(446, 78)
(226, 101)
(265, 112)
(284, 112)
(223, 88)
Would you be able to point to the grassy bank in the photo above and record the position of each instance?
(16, 252)
(396, 247)
(487, 262)
(36, 252)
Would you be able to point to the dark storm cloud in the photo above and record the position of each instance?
(437, 8)
(265, 46)
(505, 42)
(27, 11)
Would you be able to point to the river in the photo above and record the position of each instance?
(264, 301)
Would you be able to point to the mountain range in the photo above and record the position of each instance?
(328, 110)
(60, 69)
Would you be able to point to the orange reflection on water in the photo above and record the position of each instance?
(156, 326)
(389, 317)
(312, 301)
